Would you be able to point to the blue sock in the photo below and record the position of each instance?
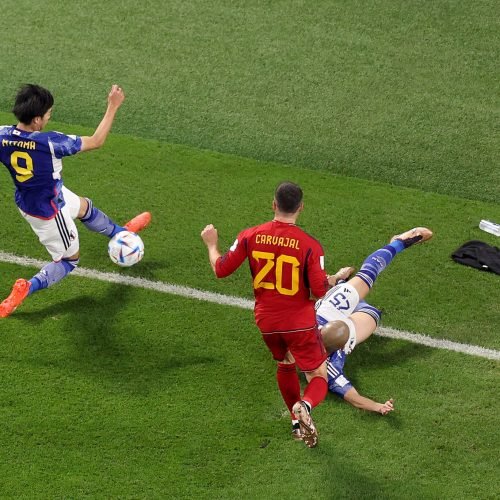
(51, 274)
(99, 222)
(375, 263)
(375, 313)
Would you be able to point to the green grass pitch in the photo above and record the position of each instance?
(386, 113)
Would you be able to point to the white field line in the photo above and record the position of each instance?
(229, 300)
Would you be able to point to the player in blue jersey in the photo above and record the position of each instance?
(338, 383)
(34, 160)
(345, 319)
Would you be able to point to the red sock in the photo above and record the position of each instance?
(288, 383)
(316, 391)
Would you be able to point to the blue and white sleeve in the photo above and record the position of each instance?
(339, 385)
(65, 145)
(337, 382)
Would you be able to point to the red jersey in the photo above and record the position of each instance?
(287, 265)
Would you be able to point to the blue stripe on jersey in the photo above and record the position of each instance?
(337, 382)
(320, 320)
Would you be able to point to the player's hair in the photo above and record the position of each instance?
(31, 101)
(288, 197)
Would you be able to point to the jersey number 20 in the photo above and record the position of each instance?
(282, 263)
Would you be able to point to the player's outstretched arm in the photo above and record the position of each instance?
(210, 237)
(353, 397)
(95, 141)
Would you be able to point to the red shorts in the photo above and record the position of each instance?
(306, 347)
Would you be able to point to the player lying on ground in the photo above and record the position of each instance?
(337, 381)
(345, 320)
(34, 160)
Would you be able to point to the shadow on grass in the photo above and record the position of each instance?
(148, 269)
(104, 349)
(346, 480)
(379, 352)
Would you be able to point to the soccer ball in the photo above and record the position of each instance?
(125, 248)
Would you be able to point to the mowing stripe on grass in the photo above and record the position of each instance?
(229, 300)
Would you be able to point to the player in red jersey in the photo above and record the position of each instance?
(287, 267)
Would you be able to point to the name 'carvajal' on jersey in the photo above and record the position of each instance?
(280, 241)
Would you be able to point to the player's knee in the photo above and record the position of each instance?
(285, 367)
(321, 372)
(75, 256)
(85, 207)
(71, 263)
(288, 359)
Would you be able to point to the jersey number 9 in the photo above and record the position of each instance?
(25, 172)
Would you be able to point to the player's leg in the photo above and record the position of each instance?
(60, 237)
(289, 386)
(97, 221)
(52, 273)
(314, 393)
(286, 372)
(365, 319)
(375, 263)
(310, 355)
(62, 242)
(334, 310)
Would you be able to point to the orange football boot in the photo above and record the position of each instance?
(138, 223)
(15, 299)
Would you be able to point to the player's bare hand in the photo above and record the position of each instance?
(116, 96)
(209, 235)
(387, 407)
(342, 274)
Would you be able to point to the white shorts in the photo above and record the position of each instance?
(59, 235)
(338, 303)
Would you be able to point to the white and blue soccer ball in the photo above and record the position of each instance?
(126, 248)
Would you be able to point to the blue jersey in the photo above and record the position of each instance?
(34, 160)
(337, 382)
